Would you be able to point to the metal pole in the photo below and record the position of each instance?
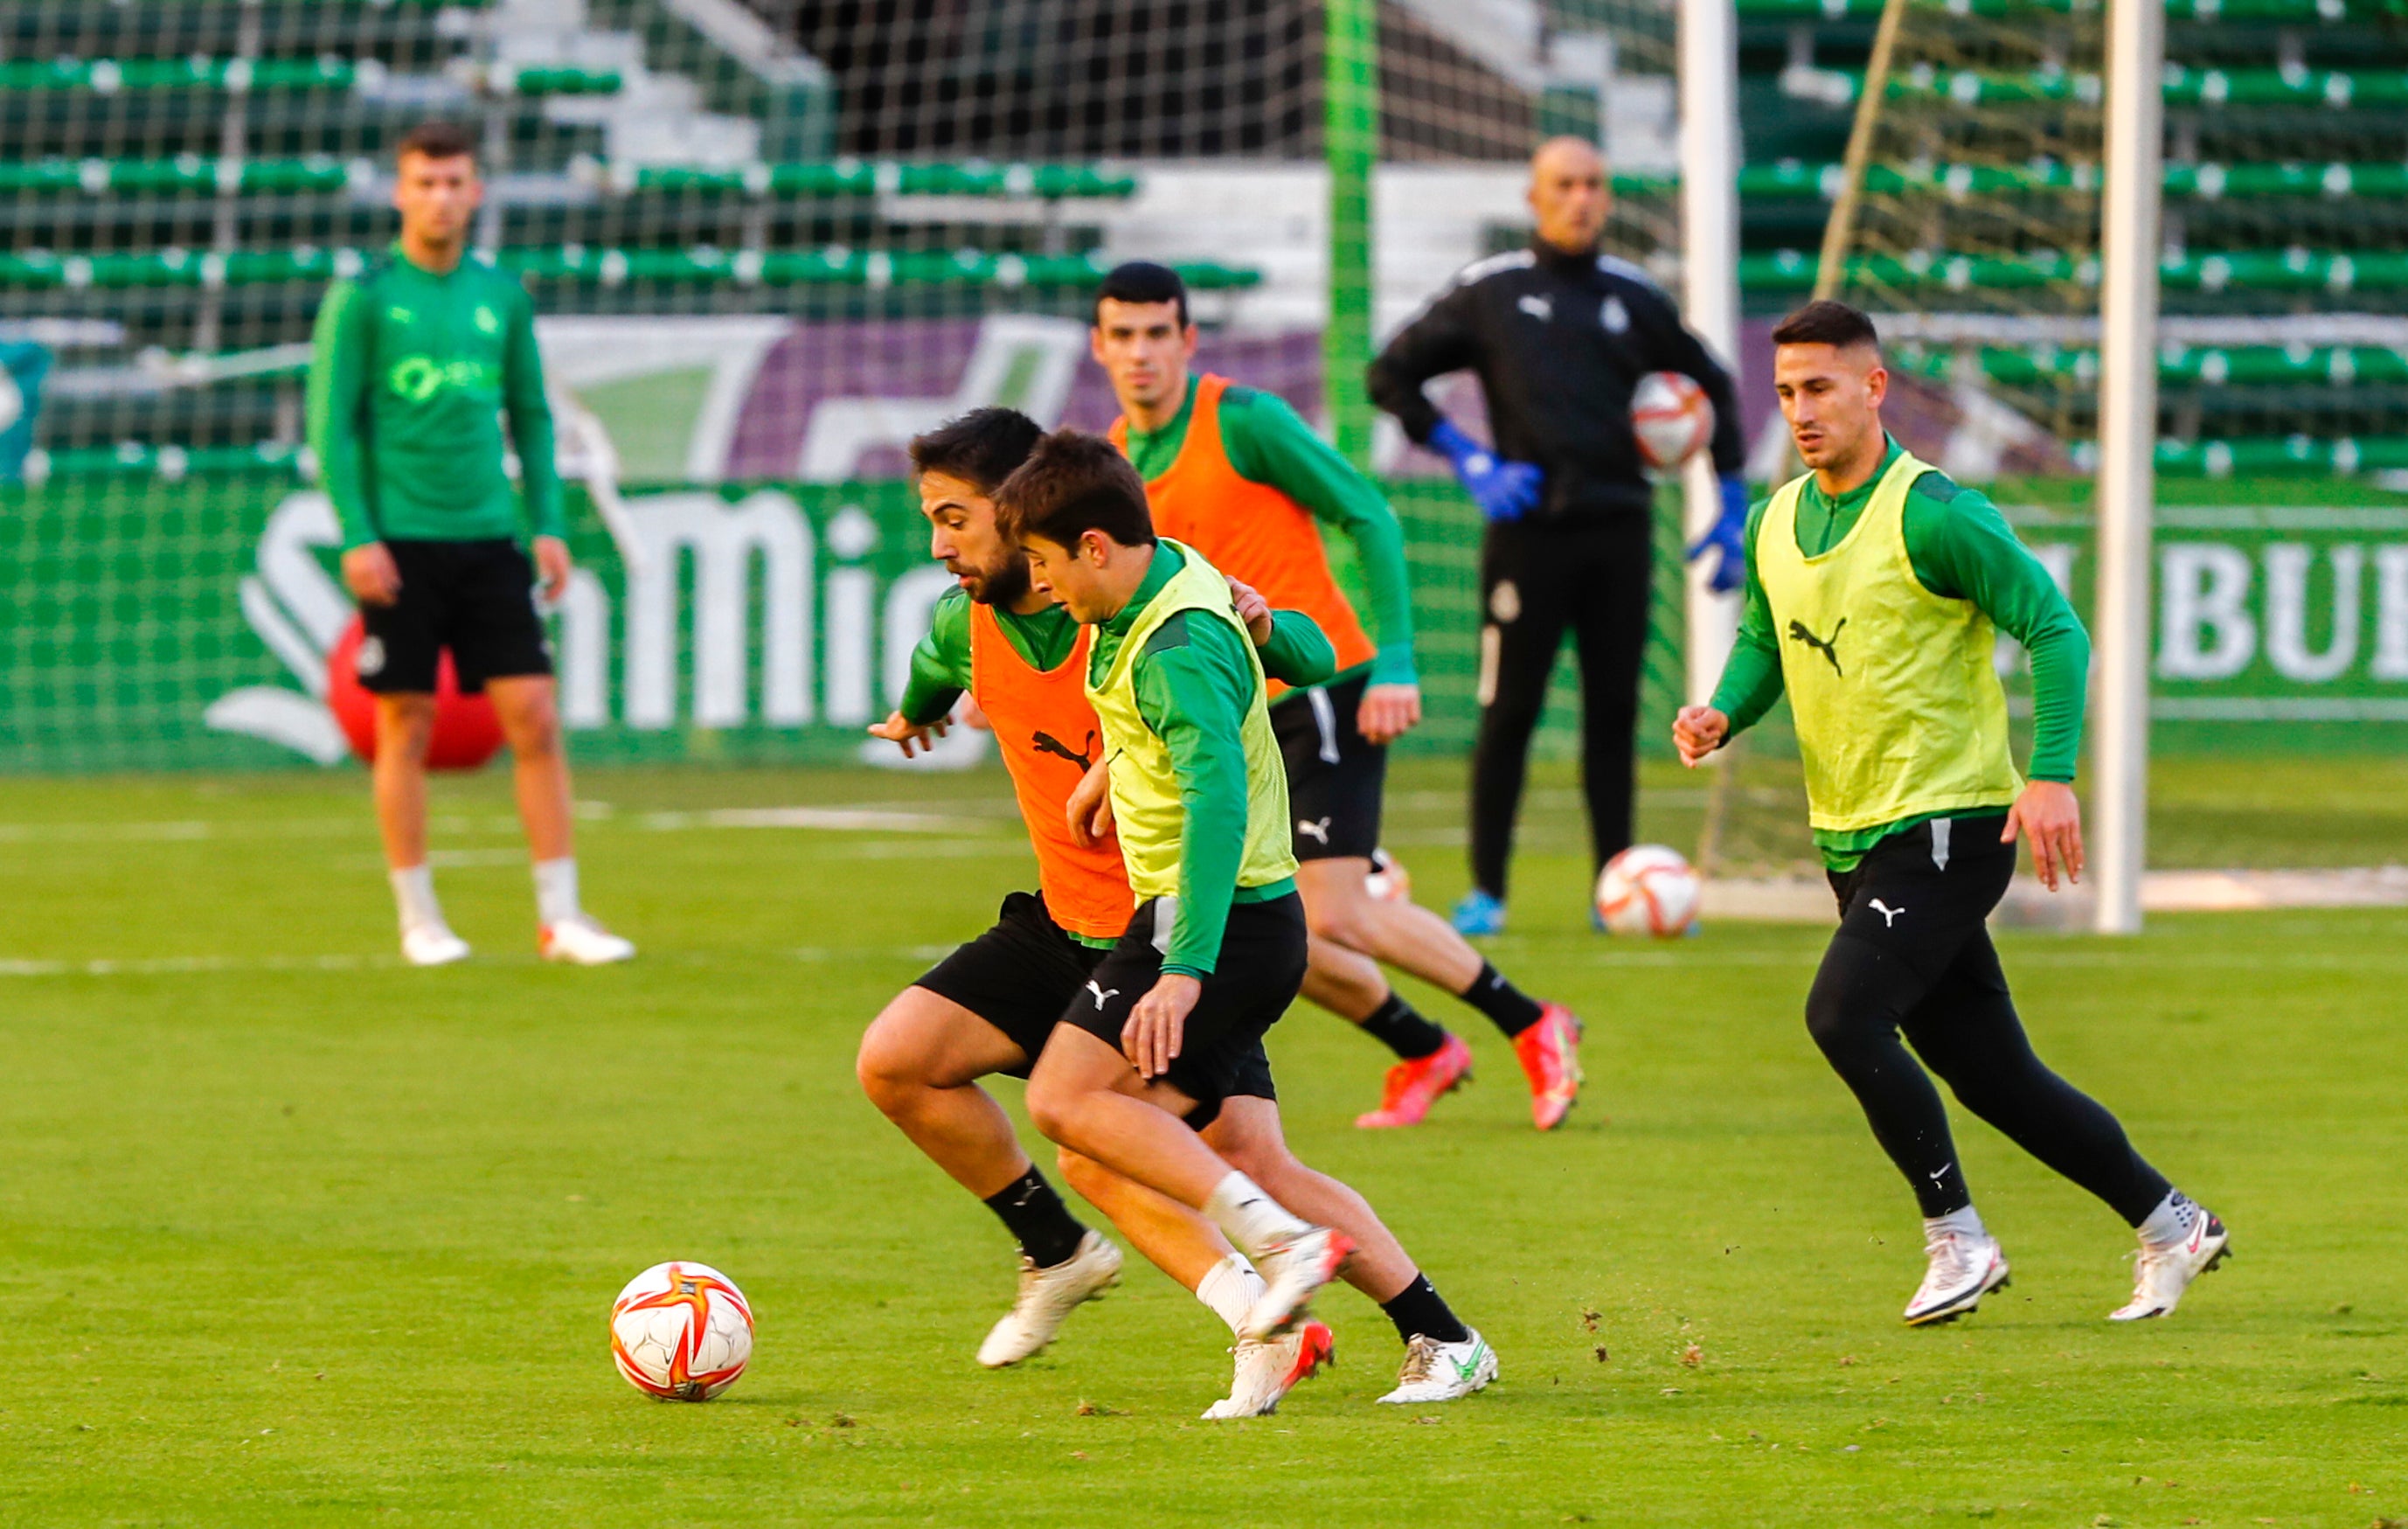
(1708, 85)
(1350, 143)
(2127, 441)
(1832, 268)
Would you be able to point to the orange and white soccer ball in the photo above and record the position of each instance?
(1671, 417)
(1389, 881)
(681, 1332)
(1648, 889)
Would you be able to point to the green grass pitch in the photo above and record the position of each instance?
(290, 1235)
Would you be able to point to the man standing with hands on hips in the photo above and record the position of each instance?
(1559, 333)
(1876, 589)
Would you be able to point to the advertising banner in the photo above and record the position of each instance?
(157, 625)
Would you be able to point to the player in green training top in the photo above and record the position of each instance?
(415, 362)
(1875, 591)
(1170, 1025)
(1235, 473)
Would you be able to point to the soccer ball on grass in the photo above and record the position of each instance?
(1648, 889)
(681, 1332)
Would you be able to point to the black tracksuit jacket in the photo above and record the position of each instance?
(1558, 342)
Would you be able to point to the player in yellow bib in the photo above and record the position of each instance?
(1876, 589)
(1168, 1035)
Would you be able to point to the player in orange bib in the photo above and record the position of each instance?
(1236, 474)
(989, 1007)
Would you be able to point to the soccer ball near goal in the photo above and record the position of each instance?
(1389, 881)
(1671, 418)
(681, 1332)
(1648, 889)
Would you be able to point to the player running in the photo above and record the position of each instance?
(989, 1006)
(1170, 1024)
(1236, 475)
(1875, 589)
(415, 361)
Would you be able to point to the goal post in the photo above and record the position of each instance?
(1709, 87)
(2127, 439)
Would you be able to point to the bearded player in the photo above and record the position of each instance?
(989, 1007)
(1236, 474)
(1875, 591)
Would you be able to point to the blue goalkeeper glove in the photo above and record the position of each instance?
(1503, 490)
(1728, 538)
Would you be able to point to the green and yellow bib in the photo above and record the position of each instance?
(1899, 710)
(1145, 792)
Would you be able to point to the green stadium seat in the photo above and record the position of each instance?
(830, 265)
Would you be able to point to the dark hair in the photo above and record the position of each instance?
(1824, 321)
(1072, 484)
(1143, 282)
(980, 448)
(436, 141)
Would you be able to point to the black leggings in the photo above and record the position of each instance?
(1536, 583)
(1914, 955)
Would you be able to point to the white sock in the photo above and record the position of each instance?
(1230, 1288)
(2170, 1223)
(1965, 1223)
(1248, 1216)
(555, 890)
(413, 891)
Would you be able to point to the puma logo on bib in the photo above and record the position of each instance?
(1827, 647)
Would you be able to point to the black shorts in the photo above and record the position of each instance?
(1220, 1051)
(475, 598)
(1919, 894)
(1018, 976)
(1335, 775)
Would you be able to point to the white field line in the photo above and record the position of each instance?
(352, 961)
(859, 818)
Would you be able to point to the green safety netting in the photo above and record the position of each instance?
(187, 172)
(2183, 87)
(2210, 366)
(864, 177)
(834, 266)
(109, 76)
(2207, 181)
(2180, 10)
(829, 178)
(2263, 455)
(2286, 270)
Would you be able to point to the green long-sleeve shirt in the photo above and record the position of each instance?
(1268, 443)
(1960, 548)
(1193, 687)
(410, 376)
(1298, 654)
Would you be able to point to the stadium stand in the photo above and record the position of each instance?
(181, 181)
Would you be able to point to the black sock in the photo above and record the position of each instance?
(1512, 1010)
(1419, 1311)
(1403, 1028)
(1042, 1223)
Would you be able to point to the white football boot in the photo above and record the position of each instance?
(1443, 1372)
(432, 944)
(1269, 1371)
(581, 942)
(1293, 1270)
(1964, 1268)
(1047, 1297)
(2165, 1271)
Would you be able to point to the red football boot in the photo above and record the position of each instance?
(1550, 1053)
(1414, 1085)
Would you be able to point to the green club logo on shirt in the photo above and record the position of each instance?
(1827, 647)
(419, 378)
(488, 322)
